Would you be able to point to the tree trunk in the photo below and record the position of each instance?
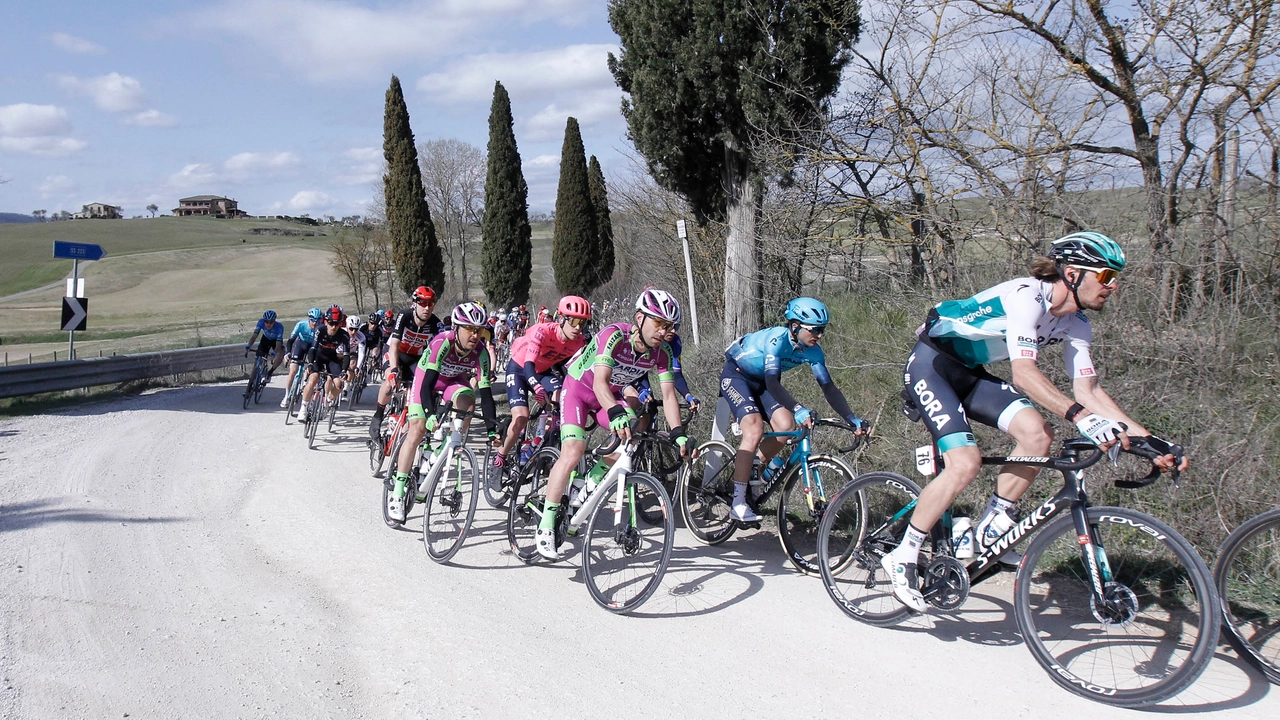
(462, 258)
(742, 312)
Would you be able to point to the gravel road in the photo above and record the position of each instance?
(172, 556)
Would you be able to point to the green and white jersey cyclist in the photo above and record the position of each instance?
(948, 386)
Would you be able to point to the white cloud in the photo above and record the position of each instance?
(73, 44)
(333, 39)
(56, 185)
(26, 120)
(360, 166)
(311, 201)
(113, 92)
(590, 109)
(153, 118)
(194, 175)
(37, 130)
(250, 164)
(526, 76)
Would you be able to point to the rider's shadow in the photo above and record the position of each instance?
(985, 618)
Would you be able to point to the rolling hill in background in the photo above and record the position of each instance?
(16, 218)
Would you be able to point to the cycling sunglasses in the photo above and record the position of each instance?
(425, 303)
(1106, 276)
(815, 329)
(577, 322)
(662, 325)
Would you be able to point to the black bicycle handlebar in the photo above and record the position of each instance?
(858, 440)
(1150, 448)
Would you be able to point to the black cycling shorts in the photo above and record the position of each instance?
(518, 385)
(265, 345)
(947, 393)
(326, 362)
(744, 396)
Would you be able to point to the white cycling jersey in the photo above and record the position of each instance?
(1011, 320)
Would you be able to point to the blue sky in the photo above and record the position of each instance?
(278, 103)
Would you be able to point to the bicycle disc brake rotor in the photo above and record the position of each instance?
(628, 539)
(1119, 605)
(945, 584)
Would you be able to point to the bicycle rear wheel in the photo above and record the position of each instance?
(496, 481)
(863, 523)
(332, 408)
(450, 506)
(705, 493)
(313, 416)
(1247, 576)
(625, 554)
(1153, 634)
(253, 381)
(524, 513)
(797, 522)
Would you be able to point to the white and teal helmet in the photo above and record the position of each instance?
(1088, 249)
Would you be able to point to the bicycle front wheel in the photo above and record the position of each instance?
(864, 522)
(524, 513)
(450, 506)
(253, 381)
(1247, 576)
(626, 552)
(705, 493)
(1150, 635)
(801, 507)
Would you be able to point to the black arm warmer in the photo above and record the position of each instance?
(773, 383)
(836, 400)
(487, 409)
(682, 385)
(426, 395)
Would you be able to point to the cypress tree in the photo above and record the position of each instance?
(604, 224)
(414, 248)
(575, 246)
(507, 264)
(703, 77)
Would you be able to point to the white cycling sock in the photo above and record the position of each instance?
(995, 505)
(908, 551)
(739, 493)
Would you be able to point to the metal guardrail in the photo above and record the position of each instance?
(18, 380)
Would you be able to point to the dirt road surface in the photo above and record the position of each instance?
(172, 556)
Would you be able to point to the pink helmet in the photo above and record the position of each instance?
(574, 307)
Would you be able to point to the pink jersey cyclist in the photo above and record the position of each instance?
(449, 369)
(543, 346)
(611, 348)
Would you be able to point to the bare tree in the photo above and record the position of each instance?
(453, 175)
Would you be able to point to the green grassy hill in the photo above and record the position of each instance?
(27, 248)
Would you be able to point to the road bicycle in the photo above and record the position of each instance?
(293, 393)
(542, 430)
(1112, 603)
(319, 409)
(391, 432)
(705, 493)
(656, 453)
(258, 378)
(629, 525)
(1247, 577)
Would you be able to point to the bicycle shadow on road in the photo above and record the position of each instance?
(1228, 682)
(487, 546)
(703, 579)
(36, 513)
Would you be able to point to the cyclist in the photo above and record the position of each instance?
(272, 332)
(544, 315)
(537, 365)
(948, 385)
(356, 342)
(452, 360)
(642, 391)
(751, 381)
(613, 359)
(373, 336)
(300, 342)
(328, 356)
(413, 328)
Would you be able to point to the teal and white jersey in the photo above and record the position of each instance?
(1011, 320)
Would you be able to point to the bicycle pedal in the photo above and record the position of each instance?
(753, 525)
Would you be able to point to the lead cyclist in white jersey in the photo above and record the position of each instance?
(948, 385)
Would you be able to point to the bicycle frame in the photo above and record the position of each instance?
(617, 474)
(444, 454)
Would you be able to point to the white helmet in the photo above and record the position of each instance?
(353, 322)
(469, 313)
(659, 304)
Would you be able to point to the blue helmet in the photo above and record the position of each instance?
(269, 316)
(808, 311)
(314, 314)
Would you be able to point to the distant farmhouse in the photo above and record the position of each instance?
(98, 211)
(209, 205)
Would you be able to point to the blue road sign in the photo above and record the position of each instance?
(77, 251)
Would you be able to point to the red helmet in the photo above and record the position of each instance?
(574, 307)
(389, 315)
(333, 314)
(424, 294)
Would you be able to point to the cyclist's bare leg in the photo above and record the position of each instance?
(1034, 436)
(465, 403)
(782, 420)
(752, 427)
(519, 420)
(962, 466)
(414, 431)
(571, 451)
(309, 386)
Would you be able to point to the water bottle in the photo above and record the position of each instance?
(598, 471)
(756, 481)
(542, 428)
(526, 451)
(962, 537)
(577, 489)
